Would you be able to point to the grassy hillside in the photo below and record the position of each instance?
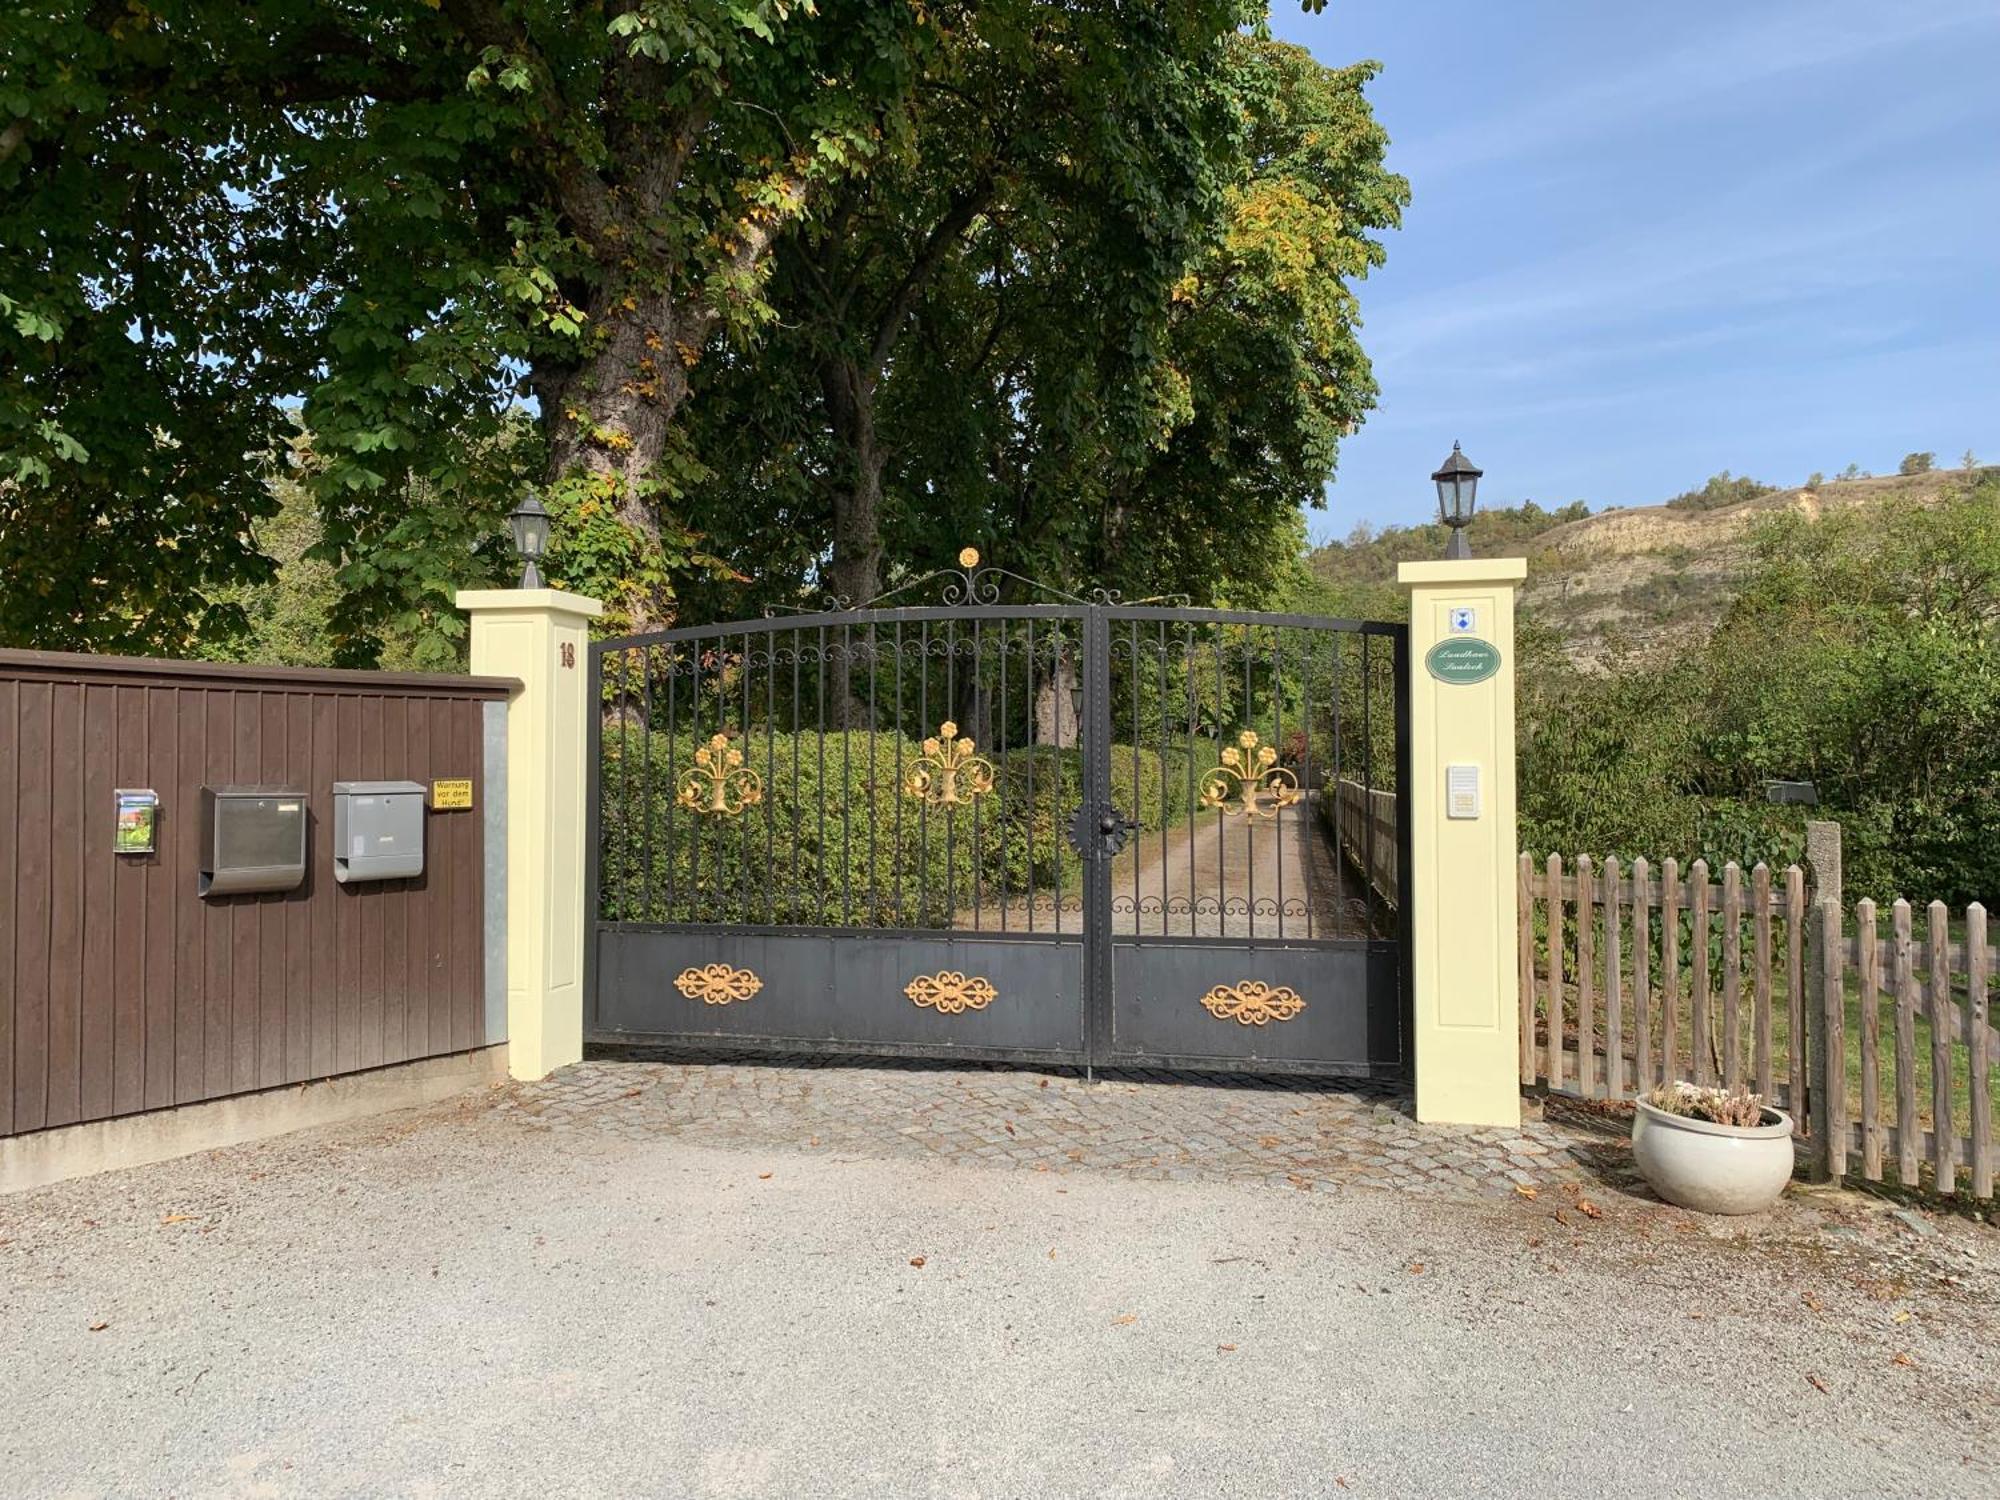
(1640, 576)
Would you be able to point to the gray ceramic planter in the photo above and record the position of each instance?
(1713, 1169)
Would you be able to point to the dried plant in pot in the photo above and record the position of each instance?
(1716, 1151)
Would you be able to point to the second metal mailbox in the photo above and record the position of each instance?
(378, 830)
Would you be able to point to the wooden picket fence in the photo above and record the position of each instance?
(1631, 976)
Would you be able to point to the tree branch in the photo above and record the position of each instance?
(937, 246)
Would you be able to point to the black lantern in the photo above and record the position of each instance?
(530, 524)
(1457, 481)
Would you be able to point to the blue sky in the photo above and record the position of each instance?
(1646, 243)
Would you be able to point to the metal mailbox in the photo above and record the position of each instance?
(253, 838)
(378, 830)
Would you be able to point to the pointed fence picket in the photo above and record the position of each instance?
(1632, 974)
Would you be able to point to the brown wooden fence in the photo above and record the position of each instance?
(121, 988)
(1365, 823)
(1634, 975)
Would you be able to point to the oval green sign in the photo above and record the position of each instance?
(1462, 659)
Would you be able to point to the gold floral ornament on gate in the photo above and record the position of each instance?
(718, 782)
(718, 984)
(1251, 1002)
(950, 992)
(950, 772)
(1249, 782)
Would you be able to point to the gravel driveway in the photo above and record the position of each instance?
(450, 1302)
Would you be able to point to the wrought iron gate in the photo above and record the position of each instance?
(1074, 832)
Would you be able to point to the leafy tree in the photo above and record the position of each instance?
(1855, 471)
(1815, 479)
(410, 211)
(1108, 283)
(1968, 461)
(1917, 463)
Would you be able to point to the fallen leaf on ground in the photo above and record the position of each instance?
(1416, 1268)
(1527, 1192)
(1904, 1360)
(99, 1327)
(1225, 1348)
(1075, 1153)
(1812, 1303)
(813, 1142)
(1120, 1322)
(917, 1261)
(176, 1218)
(1268, 1142)
(1589, 1209)
(1817, 1384)
(1901, 1317)
(630, 1094)
(1008, 1125)
(1303, 1184)
(1043, 1084)
(1052, 1252)
(763, 1176)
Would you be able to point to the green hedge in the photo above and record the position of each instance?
(797, 857)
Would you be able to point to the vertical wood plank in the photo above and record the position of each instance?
(449, 874)
(1760, 977)
(1642, 975)
(369, 901)
(216, 918)
(1833, 952)
(1795, 986)
(1944, 1131)
(1732, 975)
(467, 943)
(1670, 969)
(10, 935)
(1909, 1147)
(65, 1036)
(1555, 990)
(31, 959)
(396, 897)
(1614, 983)
(325, 967)
(99, 1043)
(179, 854)
(1701, 1033)
(151, 1002)
(421, 893)
(1524, 901)
(1586, 976)
(299, 904)
(277, 767)
(126, 935)
(1867, 939)
(347, 929)
(245, 921)
(1978, 966)
(158, 880)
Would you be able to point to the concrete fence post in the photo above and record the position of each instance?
(541, 637)
(1464, 838)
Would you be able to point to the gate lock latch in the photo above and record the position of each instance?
(1099, 833)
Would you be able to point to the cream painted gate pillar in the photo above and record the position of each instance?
(1462, 843)
(542, 637)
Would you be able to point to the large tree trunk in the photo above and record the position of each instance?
(855, 571)
(1055, 705)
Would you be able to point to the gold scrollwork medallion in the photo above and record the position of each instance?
(1251, 1002)
(950, 772)
(718, 782)
(1249, 782)
(950, 992)
(718, 984)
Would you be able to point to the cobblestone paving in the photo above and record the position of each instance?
(1308, 1135)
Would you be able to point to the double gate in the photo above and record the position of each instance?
(1081, 832)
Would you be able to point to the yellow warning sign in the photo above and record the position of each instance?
(448, 796)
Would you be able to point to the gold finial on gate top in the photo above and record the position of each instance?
(968, 557)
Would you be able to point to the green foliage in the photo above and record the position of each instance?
(1862, 653)
(834, 840)
(1720, 490)
(1917, 463)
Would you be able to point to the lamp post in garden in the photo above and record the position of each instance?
(1457, 480)
(530, 525)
